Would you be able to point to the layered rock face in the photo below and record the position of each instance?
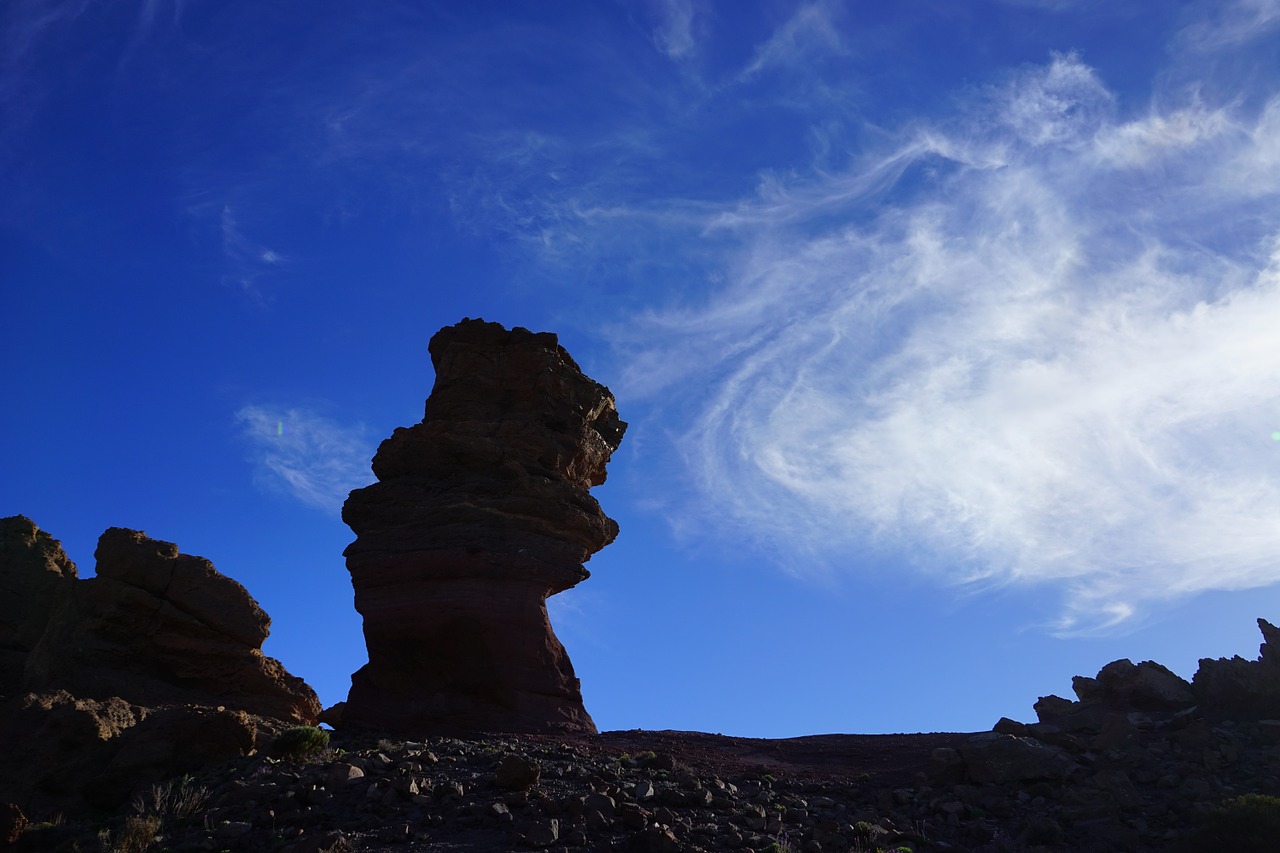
(159, 627)
(481, 512)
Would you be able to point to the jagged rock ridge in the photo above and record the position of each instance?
(480, 512)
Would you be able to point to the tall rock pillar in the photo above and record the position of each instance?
(479, 514)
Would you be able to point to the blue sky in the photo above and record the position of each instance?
(946, 331)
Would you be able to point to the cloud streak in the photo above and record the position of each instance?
(306, 456)
(1041, 359)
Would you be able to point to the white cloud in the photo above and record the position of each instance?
(1019, 369)
(247, 259)
(310, 457)
(675, 35)
(1233, 24)
(810, 31)
(1063, 103)
(1137, 143)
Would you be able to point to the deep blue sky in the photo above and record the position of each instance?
(946, 331)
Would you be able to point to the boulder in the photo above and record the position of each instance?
(991, 757)
(33, 572)
(480, 512)
(158, 627)
(1146, 686)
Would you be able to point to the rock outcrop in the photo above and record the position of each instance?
(158, 627)
(1241, 688)
(1139, 749)
(34, 571)
(480, 512)
(151, 669)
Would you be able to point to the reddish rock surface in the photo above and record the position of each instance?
(158, 627)
(481, 512)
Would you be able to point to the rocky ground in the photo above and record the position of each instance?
(677, 791)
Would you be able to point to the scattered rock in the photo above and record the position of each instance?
(480, 512)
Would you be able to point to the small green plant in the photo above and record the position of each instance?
(1244, 824)
(780, 845)
(300, 742)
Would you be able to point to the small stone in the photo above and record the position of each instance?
(341, 774)
(544, 833)
(233, 829)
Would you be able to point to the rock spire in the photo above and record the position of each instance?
(480, 512)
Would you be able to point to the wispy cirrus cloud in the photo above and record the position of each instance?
(307, 456)
(1232, 23)
(248, 260)
(674, 34)
(809, 32)
(1026, 355)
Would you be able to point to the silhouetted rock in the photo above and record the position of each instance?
(481, 512)
(33, 571)
(1146, 686)
(995, 757)
(1240, 688)
(157, 627)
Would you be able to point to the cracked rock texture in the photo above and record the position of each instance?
(480, 512)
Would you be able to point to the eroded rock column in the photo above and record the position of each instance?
(479, 514)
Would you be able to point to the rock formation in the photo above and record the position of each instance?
(1243, 688)
(34, 571)
(158, 627)
(480, 512)
(149, 670)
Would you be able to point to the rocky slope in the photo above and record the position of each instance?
(685, 792)
(1141, 761)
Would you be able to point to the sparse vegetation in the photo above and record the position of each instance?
(300, 743)
(136, 836)
(175, 801)
(1245, 824)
